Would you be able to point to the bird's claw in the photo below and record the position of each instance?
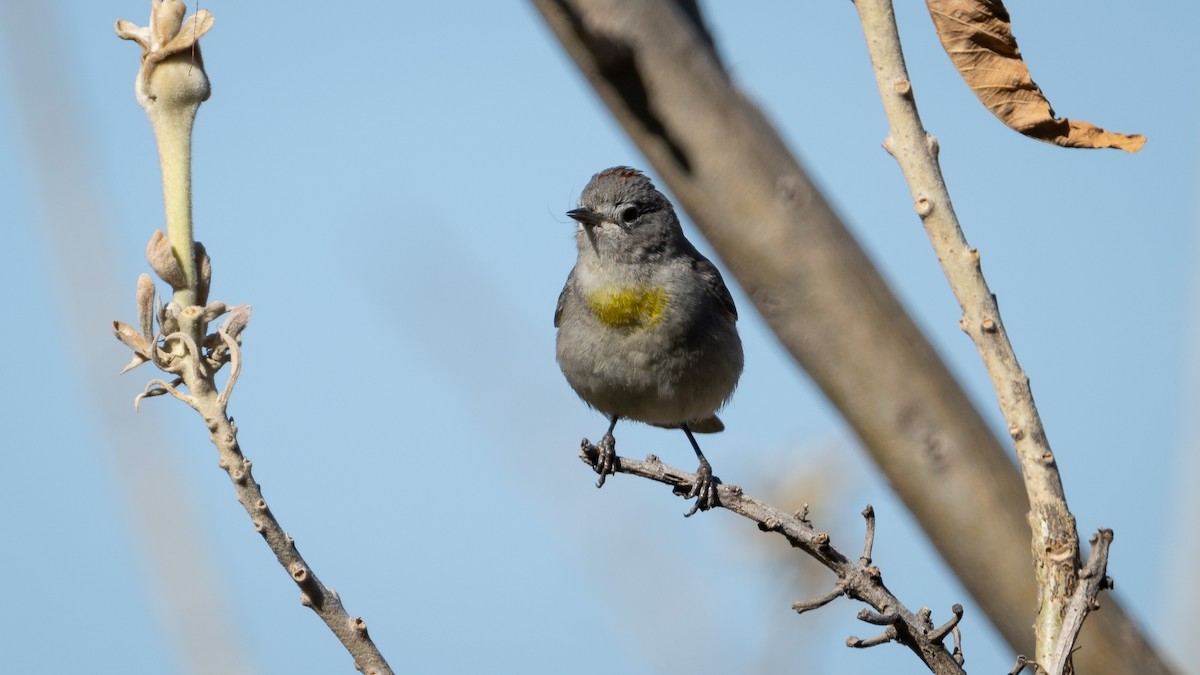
(606, 458)
(704, 490)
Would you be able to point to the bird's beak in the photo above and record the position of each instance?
(585, 216)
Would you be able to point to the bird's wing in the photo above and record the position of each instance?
(562, 297)
(716, 285)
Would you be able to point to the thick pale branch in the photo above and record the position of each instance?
(1055, 539)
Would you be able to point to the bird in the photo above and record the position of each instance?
(646, 327)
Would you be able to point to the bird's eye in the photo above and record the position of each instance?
(629, 214)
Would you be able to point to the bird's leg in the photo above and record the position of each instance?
(606, 454)
(705, 487)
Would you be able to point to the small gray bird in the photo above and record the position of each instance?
(646, 327)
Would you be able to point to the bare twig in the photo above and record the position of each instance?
(856, 579)
(888, 635)
(939, 633)
(959, 658)
(1022, 662)
(205, 398)
(1085, 598)
(869, 542)
(351, 631)
(802, 606)
(1055, 540)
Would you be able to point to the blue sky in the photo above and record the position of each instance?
(388, 187)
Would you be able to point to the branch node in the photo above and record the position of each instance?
(923, 205)
(802, 514)
(902, 88)
(925, 619)
(299, 573)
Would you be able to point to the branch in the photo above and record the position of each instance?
(171, 85)
(857, 579)
(1055, 540)
(197, 373)
(351, 631)
(1085, 599)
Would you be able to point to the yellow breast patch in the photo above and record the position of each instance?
(628, 306)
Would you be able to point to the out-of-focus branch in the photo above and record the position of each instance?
(812, 283)
(857, 579)
(1055, 543)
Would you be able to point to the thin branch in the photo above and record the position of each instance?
(886, 636)
(959, 658)
(802, 606)
(856, 580)
(1055, 540)
(211, 405)
(940, 632)
(1092, 580)
(869, 543)
(351, 631)
(887, 618)
(1022, 662)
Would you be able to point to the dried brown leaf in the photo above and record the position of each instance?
(977, 35)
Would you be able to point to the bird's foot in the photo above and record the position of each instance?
(704, 489)
(606, 458)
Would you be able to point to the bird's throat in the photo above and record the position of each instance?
(628, 306)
